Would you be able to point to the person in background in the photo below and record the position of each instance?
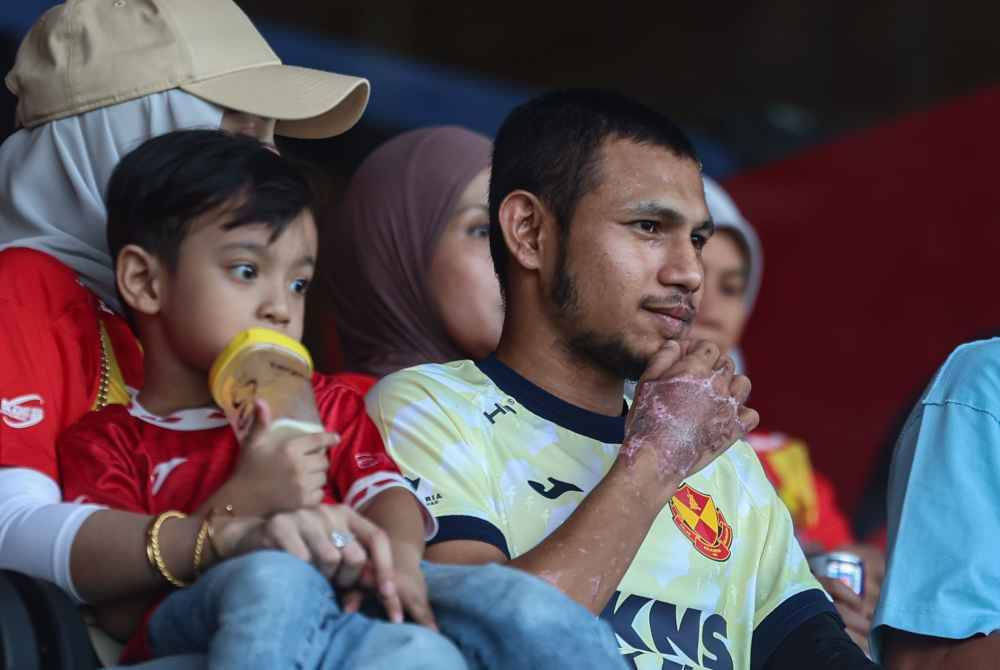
(939, 606)
(405, 270)
(734, 264)
(139, 69)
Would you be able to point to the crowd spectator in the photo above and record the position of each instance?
(528, 457)
(938, 606)
(139, 69)
(406, 271)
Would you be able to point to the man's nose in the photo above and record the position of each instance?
(682, 267)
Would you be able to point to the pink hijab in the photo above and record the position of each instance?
(377, 252)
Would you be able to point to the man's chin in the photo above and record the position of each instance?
(610, 353)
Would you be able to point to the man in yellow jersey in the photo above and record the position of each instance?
(658, 517)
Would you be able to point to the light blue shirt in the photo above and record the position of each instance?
(943, 572)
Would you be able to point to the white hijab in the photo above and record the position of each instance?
(53, 178)
(727, 216)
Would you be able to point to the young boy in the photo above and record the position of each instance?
(212, 234)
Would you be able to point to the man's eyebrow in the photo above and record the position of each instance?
(655, 210)
(661, 212)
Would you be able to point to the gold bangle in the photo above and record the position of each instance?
(153, 547)
(199, 547)
(211, 530)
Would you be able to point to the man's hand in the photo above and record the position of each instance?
(279, 475)
(874, 561)
(688, 409)
(855, 612)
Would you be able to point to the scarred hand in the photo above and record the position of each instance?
(688, 409)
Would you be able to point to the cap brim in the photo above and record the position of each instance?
(310, 104)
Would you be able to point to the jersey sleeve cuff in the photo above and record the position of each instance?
(462, 527)
(363, 490)
(785, 618)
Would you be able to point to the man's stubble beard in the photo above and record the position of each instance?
(608, 352)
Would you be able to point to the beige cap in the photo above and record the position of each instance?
(86, 54)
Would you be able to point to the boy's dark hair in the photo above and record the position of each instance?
(549, 146)
(158, 189)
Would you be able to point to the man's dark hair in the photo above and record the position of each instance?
(549, 146)
(158, 189)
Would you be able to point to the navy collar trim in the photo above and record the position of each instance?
(608, 429)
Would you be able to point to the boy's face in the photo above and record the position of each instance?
(229, 280)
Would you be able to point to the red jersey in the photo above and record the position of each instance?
(130, 459)
(52, 358)
(809, 496)
(359, 381)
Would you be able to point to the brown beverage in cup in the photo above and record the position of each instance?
(262, 364)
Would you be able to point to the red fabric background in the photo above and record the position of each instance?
(881, 255)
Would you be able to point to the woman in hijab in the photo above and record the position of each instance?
(93, 81)
(408, 272)
(734, 264)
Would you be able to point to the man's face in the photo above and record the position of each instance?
(626, 276)
(229, 280)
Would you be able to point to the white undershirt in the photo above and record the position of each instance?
(37, 529)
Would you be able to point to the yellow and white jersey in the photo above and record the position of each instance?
(719, 580)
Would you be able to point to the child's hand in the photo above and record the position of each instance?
(282, 476)
(410, 587)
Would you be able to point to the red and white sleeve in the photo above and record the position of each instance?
(360, 466)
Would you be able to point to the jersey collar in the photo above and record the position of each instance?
(608, 429)
(196, 418)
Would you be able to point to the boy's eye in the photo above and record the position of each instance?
(648, 227)
(300, 286)
(699, 241)
(244, 271)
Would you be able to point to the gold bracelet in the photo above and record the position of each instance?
(211, 530)
(153, 547)
(199, 547)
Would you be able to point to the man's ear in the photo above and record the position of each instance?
(523, 220)
(140, 279)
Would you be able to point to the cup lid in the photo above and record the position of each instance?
(257, 337)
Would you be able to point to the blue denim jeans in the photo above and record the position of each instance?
(270, 610)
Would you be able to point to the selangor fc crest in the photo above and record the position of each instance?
(702, 522)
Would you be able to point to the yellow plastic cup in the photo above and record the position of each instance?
(268, 365)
